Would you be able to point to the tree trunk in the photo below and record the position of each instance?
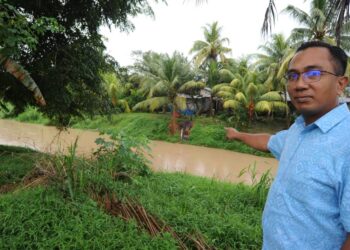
(173, 126)
(287, 108)
(23, 76)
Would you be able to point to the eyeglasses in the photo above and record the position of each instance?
(309, 76)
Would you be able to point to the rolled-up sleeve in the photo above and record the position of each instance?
(276, 143)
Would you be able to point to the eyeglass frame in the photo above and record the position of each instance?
(303, 76)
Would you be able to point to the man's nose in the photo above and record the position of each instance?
(300, 83)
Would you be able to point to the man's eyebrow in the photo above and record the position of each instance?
(309, 67)
(313, 67)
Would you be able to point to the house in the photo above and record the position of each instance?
(199, 103)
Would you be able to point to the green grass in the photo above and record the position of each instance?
(227, 216)
(15, 163)
(32, 115)
(207, 132)
(42, 219)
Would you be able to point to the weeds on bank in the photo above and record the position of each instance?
(15, 163)
(186, 211)
(260, 186)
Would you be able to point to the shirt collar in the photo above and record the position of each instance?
(327, 121)
(332, 118)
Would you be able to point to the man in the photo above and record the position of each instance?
(308, 205)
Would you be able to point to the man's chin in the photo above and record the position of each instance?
(307, 111)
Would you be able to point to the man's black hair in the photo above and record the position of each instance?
(338, 55)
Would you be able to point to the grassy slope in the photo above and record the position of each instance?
(225, 215)
(206, 131)
(15, 163)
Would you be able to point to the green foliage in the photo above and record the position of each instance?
(32, 115)
(5, 109)
(162, 77)
(260, 186)
(152, 104)
(153, 126)
(42, 219)
(224, 215)
(192, 87)
(227, 216)
(212, 46)
(15, 163)
(205, 132)
(67, 66)
(320, 23)
(123, 153)
(17, 31)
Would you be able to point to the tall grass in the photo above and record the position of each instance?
(33, 115)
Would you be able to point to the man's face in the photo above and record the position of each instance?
(315, 99)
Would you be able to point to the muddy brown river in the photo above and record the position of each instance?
(219, 164)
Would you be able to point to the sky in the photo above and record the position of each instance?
(178, 24)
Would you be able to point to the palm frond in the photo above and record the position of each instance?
(251, 90)
(299, 15)
(269, 19)
(241, 97)
(271, 96)
(191, 86)
(180, 102)
(151, 104)
(263, 106)
(280, 107)
(235, 83)
(125, 105)
(218, 87)
(224, 94)
(284, 65)
(231, 104)
(226, 75)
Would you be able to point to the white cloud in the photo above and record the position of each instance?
(177, 25)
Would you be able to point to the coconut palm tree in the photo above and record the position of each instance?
(240, 92)
(336, 13)
(317, 25)
(271, 102)
(211, 48)
(274, 62)
(116, 90)
(162, 77)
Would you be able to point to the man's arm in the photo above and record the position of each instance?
(257, 141)
(346, 245)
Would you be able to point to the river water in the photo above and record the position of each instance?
(219, 164)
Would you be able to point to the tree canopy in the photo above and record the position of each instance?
(66, 65)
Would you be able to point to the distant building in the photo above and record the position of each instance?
(199, 103)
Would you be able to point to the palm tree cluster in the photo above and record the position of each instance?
(251, 86)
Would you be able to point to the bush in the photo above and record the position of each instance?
(32, 115)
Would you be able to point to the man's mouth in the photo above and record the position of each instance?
(302, 99)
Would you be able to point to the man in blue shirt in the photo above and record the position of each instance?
(308, 205)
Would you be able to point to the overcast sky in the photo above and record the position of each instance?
(177, 25)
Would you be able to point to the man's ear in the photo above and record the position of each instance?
(342, 83)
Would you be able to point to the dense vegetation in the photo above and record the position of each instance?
(205, 132)
(61, 195)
